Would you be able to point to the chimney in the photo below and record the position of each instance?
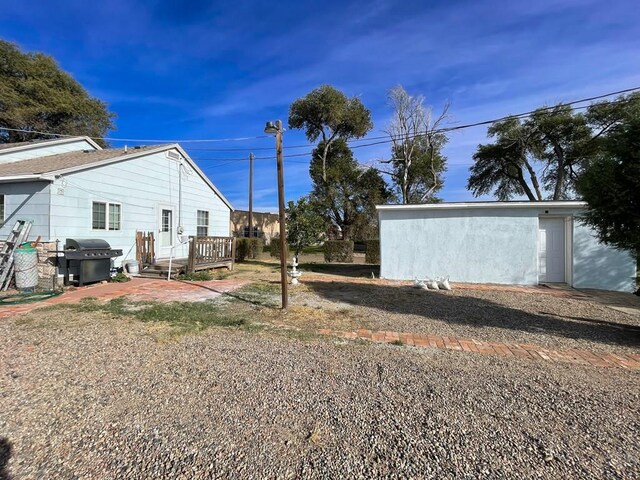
(125, 149)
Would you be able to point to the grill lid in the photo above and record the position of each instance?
(86, 244)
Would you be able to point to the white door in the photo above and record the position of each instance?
(166, 236)
(551, 250)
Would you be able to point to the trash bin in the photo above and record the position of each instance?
(132, 267)
(25, 264)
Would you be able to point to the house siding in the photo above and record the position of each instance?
(493, 245)
(142, 185)
(44, 151)
(26, 201)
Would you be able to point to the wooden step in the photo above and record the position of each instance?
(160, 273)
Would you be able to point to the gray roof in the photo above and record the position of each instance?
(61, 161)
(4, 146)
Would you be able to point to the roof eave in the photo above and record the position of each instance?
(142, 153)
(56, 141)
(25, 178)
(473, 205)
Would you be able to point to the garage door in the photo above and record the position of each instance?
(551, 250)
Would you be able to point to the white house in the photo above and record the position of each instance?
(72, 188)
(499, 242)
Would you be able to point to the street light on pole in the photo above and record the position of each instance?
(275, 128)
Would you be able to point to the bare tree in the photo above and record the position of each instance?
(416, 159)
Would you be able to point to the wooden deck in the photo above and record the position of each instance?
(205, 253)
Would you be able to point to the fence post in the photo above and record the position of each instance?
(191, 262)
(233, 252)
(152, 248)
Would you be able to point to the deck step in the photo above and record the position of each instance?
(159, 273)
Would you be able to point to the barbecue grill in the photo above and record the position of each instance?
(88, 260)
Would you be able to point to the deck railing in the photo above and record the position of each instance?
(210, 252)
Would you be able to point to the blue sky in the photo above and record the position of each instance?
(203, 69)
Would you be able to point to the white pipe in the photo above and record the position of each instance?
(170, 262)
(173, 249)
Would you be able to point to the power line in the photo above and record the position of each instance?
(489, 122)
(368, 139)
(138, 140)
(388, 140)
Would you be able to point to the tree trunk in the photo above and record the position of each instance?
(405, 184)
(525, 186)
(325, 152)
(559, 188)
(534, 180)
(346, 232)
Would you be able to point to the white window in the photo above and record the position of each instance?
(106, 216)
(203, 223)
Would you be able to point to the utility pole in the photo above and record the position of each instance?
(251, 195)
(276, 128)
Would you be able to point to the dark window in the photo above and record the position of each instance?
(202, 223)
(101, 212)
(99, 216)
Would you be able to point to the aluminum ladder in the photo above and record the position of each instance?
(18, 235)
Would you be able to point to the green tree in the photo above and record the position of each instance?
(305, 227)
(551, 143)
(37, 95)
(351, 191)
(610, 180)
(417, 162)
(328, 114)
(502, 167)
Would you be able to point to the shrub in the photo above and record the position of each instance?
(372, 251)
(120, 277)
(275, 247)
(248, 248)
(338, 251)
(201, 276)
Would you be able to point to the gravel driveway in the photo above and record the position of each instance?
(489, 315)
(91, 396)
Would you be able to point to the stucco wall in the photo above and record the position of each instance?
(26, 201)
(493, 245)
(477, 246)
(598, 266)
(142, 186)
(266, 223)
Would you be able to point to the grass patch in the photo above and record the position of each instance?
(183, 317)
(313, 249)
(259, 293)
(222, 274)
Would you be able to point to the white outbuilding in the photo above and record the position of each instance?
(524, 243)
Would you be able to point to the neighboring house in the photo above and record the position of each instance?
(266, 225)
(72, 188)
(500, 242)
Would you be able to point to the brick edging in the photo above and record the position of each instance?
(521, 350)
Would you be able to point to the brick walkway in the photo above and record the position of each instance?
(138, 289)
(522, 350)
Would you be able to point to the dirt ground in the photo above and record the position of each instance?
(346, 297)
(235, 388)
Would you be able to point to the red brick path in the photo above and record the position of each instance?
(522, 350)
(138, 289)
